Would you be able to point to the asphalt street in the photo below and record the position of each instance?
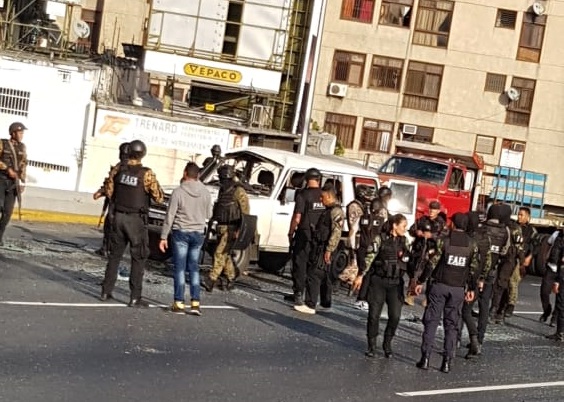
(59, 343)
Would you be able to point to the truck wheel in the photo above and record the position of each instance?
(273, 263)
(241, 259)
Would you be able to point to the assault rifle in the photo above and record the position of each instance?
(104, 210)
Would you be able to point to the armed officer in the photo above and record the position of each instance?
(307, 210)
(557, 258)
(326, 236)
(215, 155)
(452, 271)
(130, 187)
(123, 157)
(232, 202)
(13, 165)
(383, 283)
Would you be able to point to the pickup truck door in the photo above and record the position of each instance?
(404, 199)
(282, 211)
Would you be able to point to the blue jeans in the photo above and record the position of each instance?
(185, 253)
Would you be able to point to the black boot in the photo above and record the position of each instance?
(552, 321)
(208, 284)
(371, 352)
(423, 363)
(387, 346)
(558, 336)
(509, 310)
(474, 347)
(445, 367)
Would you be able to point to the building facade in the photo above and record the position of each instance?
(478, 75)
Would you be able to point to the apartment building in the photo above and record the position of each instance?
(477, 75)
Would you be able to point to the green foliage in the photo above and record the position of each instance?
(315, 126)
(339, 149)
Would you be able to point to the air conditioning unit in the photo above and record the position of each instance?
(261, 116)
(517, 147)
(409, 129)
(338, 90)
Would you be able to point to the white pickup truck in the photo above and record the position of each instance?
(267, 175)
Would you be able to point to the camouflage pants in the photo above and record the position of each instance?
(222, 261)
(514, 282)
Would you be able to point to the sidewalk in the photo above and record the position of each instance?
(49, 205)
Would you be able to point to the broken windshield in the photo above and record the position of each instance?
(419, 169)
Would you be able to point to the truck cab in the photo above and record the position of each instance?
(446, 175)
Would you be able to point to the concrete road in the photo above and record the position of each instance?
(59, 343)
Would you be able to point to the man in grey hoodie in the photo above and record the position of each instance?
(188, 209)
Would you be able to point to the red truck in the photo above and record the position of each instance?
(449, 176)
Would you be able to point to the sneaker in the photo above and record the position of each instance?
(138, 303)
(304, 309)
(195, 308)
(361, 305)
(409, 300)
(178, 307)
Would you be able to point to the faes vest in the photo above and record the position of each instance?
(129, 190)
(226, 210)
(454, 266)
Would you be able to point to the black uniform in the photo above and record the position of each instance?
(385, 285)
(131, 204)
(308, 204)
(454, 273)
(558, 249)
(550, 276)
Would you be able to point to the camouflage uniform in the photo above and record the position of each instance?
(530, 235)
(222, 261)
(9, 194)
(150, 183)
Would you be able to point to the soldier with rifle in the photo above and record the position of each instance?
(107, 212)
(13, 164)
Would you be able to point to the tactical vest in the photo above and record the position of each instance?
(392, 257)
(454, 266)
(323, 227)
(313, 209)
(370, 226)
(226, 209)
(498, 237)
(129, 190)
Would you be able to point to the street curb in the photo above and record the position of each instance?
(31, 215)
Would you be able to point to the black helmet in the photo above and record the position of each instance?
(137, 149)
(226, 172)
(363, 192)
(312, 174)
(384, 191)
(124, 151)
(216, 150)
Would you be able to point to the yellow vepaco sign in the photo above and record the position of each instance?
(197, 70)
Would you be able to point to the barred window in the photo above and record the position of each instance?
(376, 135)
(48, 166)
(396, 12)
(386, 73)
(342, 126)
(506, 19)
(519, 111)
(423, 86)
(14, 101)
(348, 67)
(532, 36)
(484, 145)
(358, 10)
(495, 83)
(432, 26)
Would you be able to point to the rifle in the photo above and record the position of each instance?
(207, 235)
(104, 209)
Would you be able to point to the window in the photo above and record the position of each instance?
(426, 170)
(48, 167)
(413, 133)
(376, 136)
(386, 73)
(506, 19)
(512, 153)
(178, 94)
(64, 75)
(358, 10)
(433, 23)
(484, 145)
(396, 12)
(14, 101)
(342, 126)
(154, 90)
(348, 68)
(532, 35)
(495, 83)
(423, 86)
(90, 44)
(232, 28)
(456, 180)
(519, 111)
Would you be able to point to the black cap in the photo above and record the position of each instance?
(17, 126)
(434, 205)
